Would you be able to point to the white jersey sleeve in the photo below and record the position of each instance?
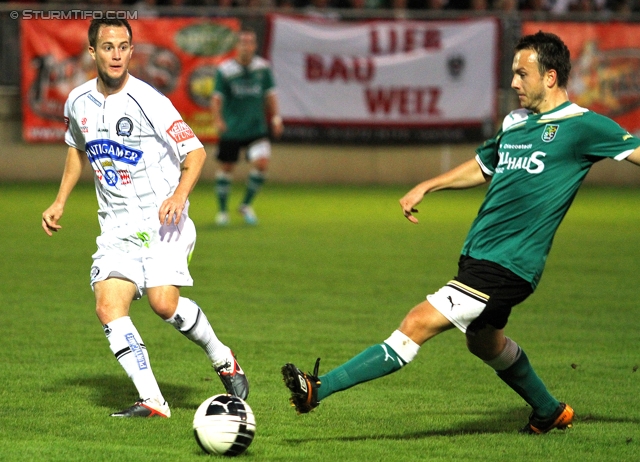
(173, 130)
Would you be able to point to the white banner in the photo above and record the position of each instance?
(385, 73)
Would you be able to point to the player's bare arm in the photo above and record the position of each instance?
(273, 110)
(464, 176)
(171, 209)
(216, 111)
(72, 170)
(635, 157)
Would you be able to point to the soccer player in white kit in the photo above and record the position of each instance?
(146, 161)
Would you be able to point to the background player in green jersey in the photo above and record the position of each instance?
(535, 165)
(244, 104)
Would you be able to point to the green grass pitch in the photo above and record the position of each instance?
(328, 272)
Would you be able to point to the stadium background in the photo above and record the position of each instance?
(314, 161)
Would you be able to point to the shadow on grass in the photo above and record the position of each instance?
(498, 423)
(589, 418)
(112, 391)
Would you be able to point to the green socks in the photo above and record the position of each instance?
(374, 362)
(223, 187)
(254, 183)
(521, 377)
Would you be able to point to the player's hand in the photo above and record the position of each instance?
(277, 127)
(409, 202)
(221, 126)
(171, 211)
(50, 219)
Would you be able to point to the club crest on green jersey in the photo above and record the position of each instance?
(549, 132)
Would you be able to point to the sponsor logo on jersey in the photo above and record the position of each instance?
(240, 88)
(94, 100)
(125, 177)
(83, 125)
(532, 164)
(180, 131)
(107, 163)
(124, 126)
(627, 136)
(94, 272)
(516, 146)
(111, 177)
(112, 150)
(144, 237)
(549, 132)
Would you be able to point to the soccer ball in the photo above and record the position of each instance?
(224, 425)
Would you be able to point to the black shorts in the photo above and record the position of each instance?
(504, 288)
(229, 150)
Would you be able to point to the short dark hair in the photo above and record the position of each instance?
(552, 54)
(97, 23)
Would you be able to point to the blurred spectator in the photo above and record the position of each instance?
(479, 5)
(534, 5)
(506, 6)
(321, 9)
(146, 8)
(620, 6)
(437, 4)
(285, 4)
(581, 6)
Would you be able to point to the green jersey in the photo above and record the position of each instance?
(537, 163)
(243, 90)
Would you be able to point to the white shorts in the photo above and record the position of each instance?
(146, 253)
(459, 303)
(259, 149)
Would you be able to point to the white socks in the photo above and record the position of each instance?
(404, 347)
(191, 321)
(126, 344)
(507, 357)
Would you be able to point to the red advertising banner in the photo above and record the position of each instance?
(605, 61)
(178, 56)
(369, 79)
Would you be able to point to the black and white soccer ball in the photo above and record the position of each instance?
(224, 425)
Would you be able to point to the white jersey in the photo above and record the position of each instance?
(135, 140)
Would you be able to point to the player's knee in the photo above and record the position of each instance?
(485, 347)
(227, 167)
(107, 312)
(261, 164)
(423, 322)
(163, 306)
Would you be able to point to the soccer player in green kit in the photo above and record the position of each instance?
(535, 165)
(244, 98)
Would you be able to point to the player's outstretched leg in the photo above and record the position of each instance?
(514, 368)
(127, 346)
(374, 362)
(191, 321)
